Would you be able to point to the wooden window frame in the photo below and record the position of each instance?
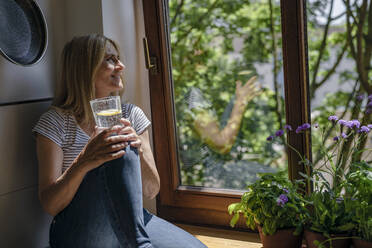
(197, 205)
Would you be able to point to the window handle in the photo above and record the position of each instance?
(150, 61)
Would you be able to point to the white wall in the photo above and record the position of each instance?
(82, 17)
(23, 223)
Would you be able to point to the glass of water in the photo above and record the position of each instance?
(107, 111)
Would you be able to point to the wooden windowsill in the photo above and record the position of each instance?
(221, 238)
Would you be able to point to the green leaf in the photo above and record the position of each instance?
(316, 243)
(298, 230)
(346, 227)
(234, 207)
(234, 219)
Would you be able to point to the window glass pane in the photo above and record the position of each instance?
(223, 115)
(338, 85)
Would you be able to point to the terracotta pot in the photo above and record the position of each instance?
(311, 236)
(360, 243)
(283, 238)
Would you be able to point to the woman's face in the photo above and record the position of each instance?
(107, 79)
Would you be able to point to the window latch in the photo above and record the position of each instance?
(150, 61)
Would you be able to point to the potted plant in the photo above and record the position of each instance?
(330, 222)
(272, 205)
(359, 187)
(331, 212)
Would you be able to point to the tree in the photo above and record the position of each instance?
(203, 34)
(202, 38)
(349, 40)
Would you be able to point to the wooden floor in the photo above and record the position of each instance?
(220, 238)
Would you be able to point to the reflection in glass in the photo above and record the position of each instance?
(223, 114)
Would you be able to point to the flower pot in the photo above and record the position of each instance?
(283, 238)
(360, 243)
(339, 242)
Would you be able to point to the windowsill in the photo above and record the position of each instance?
(221, 238)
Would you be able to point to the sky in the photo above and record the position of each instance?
(338, 8)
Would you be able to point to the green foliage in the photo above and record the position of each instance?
(262, 205)
(358, 187)
(328, 213)
(351, 214)
(342, 191)
(203, 34)
(202, 41)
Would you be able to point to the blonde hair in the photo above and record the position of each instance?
(81, 58)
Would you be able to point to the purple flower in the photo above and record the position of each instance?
(333, 118)
(336, 138)
(369, 104)
(343, 135)
(368, 111)
(360, 97)
(279, 133)
(364, 129)
(288, 127)
(282, 200)
(286, 190)
(369, 126)
(298, 129)
(316, 125)
(370, 98)
(270, 138)
(356, 123)
(303, 127)
(342, 122)
(349, 124)
(352, 124)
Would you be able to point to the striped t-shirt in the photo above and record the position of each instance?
(62, 128)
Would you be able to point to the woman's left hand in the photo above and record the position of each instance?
(130, 133)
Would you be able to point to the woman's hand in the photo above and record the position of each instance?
(245, 93)
(102, 147)
(131, 135)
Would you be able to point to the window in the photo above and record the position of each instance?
(190, 192)
(339, 84)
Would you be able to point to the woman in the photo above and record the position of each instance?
(91, 179)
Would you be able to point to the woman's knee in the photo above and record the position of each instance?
(130, 157)
(131, 151)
